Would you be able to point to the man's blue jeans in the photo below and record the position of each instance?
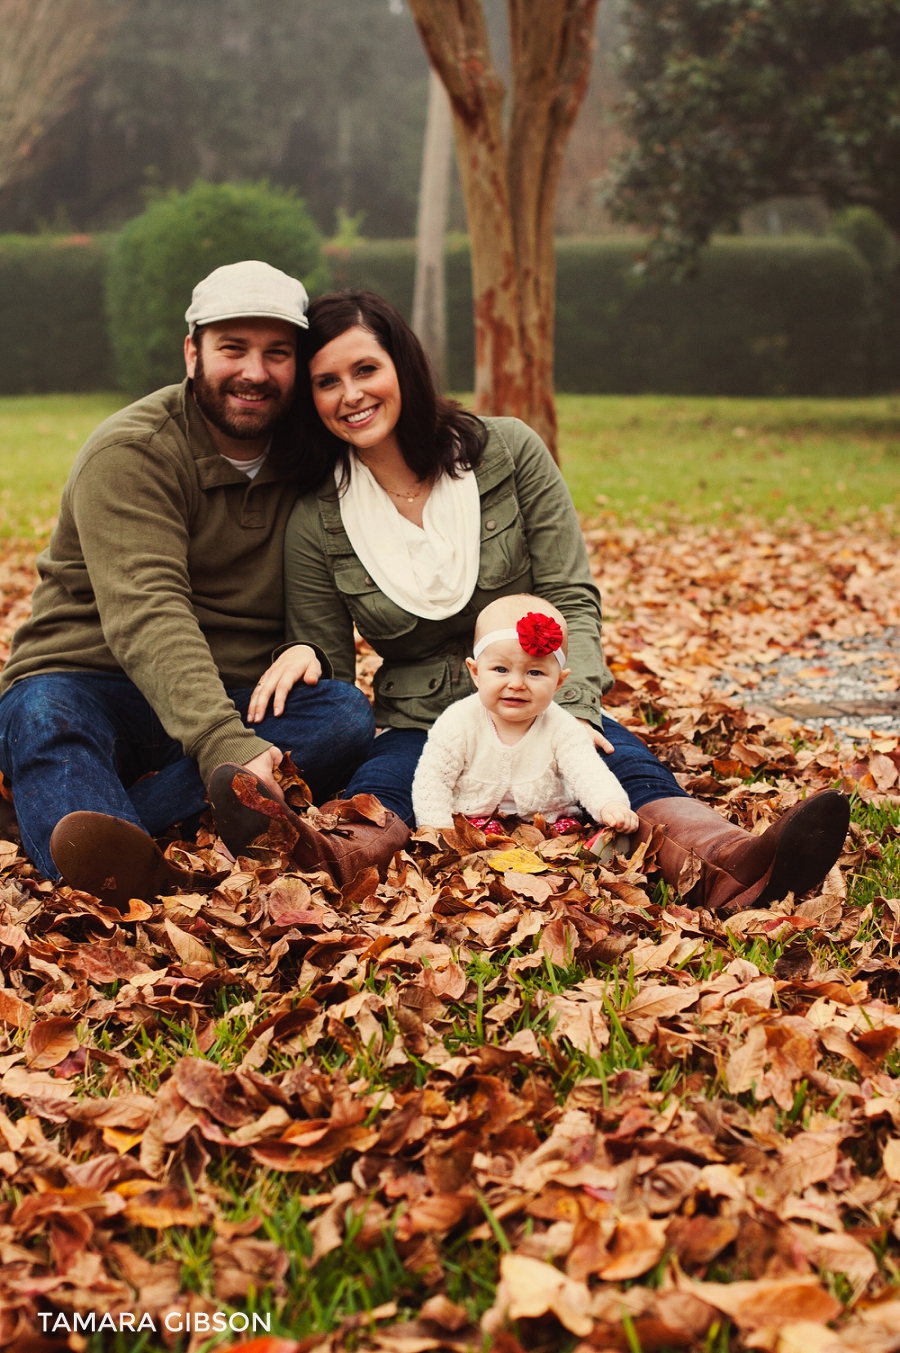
(388, 772)
(81, 741)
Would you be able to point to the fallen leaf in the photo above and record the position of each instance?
(49, 1042)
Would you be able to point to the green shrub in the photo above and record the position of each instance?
(52, 328)
(160, 256)
(864, 229)
(762, 317)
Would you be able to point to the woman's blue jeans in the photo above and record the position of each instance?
(73, 741)
(388, 772)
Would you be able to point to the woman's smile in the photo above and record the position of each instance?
(361, 416)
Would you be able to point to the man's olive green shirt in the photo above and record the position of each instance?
(166, 565)
(531, 541)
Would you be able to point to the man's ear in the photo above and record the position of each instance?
(564, 673)
(190, 355)
(473, 671)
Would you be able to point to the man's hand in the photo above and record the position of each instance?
(619, 816)
(298, 663)
(599, 740)
(262, 767)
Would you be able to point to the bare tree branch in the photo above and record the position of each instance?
(46, 47)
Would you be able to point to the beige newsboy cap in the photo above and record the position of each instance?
(248, 290)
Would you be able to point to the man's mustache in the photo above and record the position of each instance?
(237, 387)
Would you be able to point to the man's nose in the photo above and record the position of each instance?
(254, 368)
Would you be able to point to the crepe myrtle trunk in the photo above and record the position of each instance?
(510, 175)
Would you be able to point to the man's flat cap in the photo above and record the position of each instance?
(248, 290)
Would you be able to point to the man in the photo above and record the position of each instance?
(159, 605)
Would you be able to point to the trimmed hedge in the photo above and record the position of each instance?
(791, 316)
(794, 316)
(53, 333)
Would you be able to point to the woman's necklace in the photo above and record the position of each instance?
(410, 497)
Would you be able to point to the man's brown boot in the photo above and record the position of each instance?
(114, 861)
(738, 869)
(362, 836)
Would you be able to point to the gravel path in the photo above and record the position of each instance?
(851, 684)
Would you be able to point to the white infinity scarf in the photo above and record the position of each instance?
(430, 570)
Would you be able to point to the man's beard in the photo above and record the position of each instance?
(244, 426)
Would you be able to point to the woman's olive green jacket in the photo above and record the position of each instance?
(530, 542)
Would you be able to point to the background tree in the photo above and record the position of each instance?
(46, 47)
(730, 102)
(509, 162)
(325, 96)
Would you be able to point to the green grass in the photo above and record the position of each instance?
(707, 457)
(641, 453)
(39, 438)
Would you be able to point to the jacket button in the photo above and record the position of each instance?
(389, 685)
(432, 683)
(571, 695)
(368, 581)
(490, 524)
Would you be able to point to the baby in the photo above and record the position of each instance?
(508, 748)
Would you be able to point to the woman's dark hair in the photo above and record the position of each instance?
(436, 435)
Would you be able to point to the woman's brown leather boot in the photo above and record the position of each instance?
(114, 860)
(736, 868)
(356, 833)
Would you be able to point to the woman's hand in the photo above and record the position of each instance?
(619, 816)
(599, 741)
(298, 663)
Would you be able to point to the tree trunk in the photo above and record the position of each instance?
(510, 180)
(429, 298)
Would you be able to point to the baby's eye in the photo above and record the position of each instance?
(498, 668)
(536, 671)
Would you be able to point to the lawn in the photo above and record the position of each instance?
(640, 454)
(511, 1098)
(39, 437)
(708, 457)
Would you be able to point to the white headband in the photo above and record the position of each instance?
(496, 635)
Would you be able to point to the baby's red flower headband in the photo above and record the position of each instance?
(537, 635)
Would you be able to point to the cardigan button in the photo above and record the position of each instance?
(490, 524)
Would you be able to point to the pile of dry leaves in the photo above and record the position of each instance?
(666, 1131)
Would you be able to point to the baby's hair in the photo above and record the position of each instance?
(505, 612)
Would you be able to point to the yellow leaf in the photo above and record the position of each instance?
(519, 859)
(119, 1140)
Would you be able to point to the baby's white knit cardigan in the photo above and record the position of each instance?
(465, 768)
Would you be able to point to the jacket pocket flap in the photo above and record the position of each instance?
(352, 579)
(497, 516)
(409, 683)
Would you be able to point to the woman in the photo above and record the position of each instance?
(425, 515)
